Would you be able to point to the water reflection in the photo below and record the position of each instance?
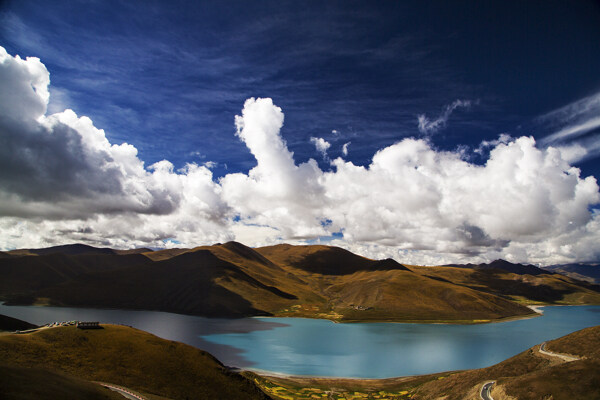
(380, 350)
(319, 347)
(182, 328)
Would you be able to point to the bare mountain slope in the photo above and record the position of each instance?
(234, 280)
(128, 357)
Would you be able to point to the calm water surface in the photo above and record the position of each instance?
(318, 347)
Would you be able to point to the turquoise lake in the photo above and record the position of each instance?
(301, 346)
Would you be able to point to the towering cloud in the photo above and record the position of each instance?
(277, 192)
(61, 180)
(61, 167)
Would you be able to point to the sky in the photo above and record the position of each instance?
(431, 132)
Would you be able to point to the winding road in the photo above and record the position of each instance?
(563, 357)
(123, 392)
(485, 390)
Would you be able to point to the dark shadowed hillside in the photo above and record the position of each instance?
(68, 249)
(127, 357)
(188, 283)
(21, 274)
(21, 383)
(74, 249)
(233, 280)
(521, 269)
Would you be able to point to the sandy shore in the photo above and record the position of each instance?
(537, 309)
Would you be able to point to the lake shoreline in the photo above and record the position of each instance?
(534, 314)
(309, 348)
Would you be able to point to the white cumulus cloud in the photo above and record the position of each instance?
(321, 145)
(345, 148)
(62, 181)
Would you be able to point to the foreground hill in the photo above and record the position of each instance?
(123, 356)
(528, 375)
(531, 375)
(233, 280)
(20, 383)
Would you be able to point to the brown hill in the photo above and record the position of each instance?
(22, 274)
(531, 375)
(503, 265)
(67, 249)
(544, 288)
(325, 260)
(19, 383)
(130, 358)
(160, 255)
(189, 283)
(74, 249)
(406, 296)
(234, 280)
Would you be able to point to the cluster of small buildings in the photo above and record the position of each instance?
(78, 324)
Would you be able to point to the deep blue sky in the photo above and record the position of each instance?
(168, 77)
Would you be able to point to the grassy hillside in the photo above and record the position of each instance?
(544, 288)
(19, 383)
(529, 375)
(233, 280)
(130, 358)
(325, 260)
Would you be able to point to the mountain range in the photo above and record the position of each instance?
(233, 280)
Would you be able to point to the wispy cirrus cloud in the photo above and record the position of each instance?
(575, 126)
(428, 127)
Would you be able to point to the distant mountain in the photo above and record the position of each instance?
(584, 272)
(233, 280)
(517, 282)
(521, 269)
(74, 249)
(326, 260)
